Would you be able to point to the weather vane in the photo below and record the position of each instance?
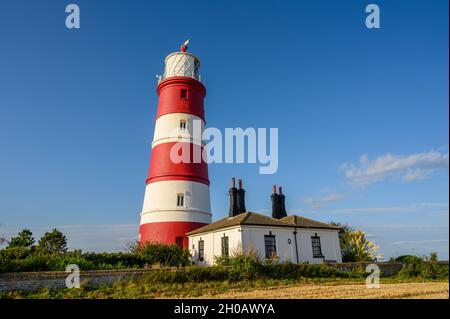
(184, 46)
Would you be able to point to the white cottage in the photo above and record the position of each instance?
(290, 238)
(293, 238)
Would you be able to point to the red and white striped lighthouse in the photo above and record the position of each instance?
(177, 194)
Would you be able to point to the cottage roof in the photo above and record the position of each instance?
(251, 218)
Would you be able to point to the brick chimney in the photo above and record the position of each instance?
(282, 203)
(233, 211)
(275, 203)
(241, 198)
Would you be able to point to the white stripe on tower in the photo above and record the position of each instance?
(168, 128)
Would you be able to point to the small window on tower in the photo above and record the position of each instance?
(182, 124)
(183, 94)
(180, 200)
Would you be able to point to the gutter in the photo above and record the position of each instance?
(296, 246)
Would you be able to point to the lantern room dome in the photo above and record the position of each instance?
(182, 64)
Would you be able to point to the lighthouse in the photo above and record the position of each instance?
(176, 199)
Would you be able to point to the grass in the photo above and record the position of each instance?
(269, 288)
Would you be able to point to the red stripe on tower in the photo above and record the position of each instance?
(162, 169)
(176, 197)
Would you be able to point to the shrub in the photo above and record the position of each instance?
(188, 274)
(15, 253)
(241, 266)
(358, 272)
(244, 267)
(408, 259)
(419, 268)
(164, 255)
(114, 260)
(34, 262)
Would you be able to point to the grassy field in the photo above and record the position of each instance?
(301, 289)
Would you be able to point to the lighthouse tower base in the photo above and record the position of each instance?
(169, 233)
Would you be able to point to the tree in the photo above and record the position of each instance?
(53, 242)
(24, 239)
(433, 257)
(354, 245)
(408, 259)
(2, 239)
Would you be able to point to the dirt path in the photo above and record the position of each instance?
(438, 290)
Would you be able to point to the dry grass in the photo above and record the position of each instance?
(317, 288)
(425, 290)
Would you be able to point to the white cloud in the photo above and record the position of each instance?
(419, 242)
(417, 174)
(418, 207)
(319, 202)
(411, 167)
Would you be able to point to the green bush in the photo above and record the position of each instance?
(115, 260)
(408, 259)
(422, 267)
(358, 272)
(15, 253)
(59, 262)
(241, 267)
(35, 263)
(19, 259)
(236, 271)
(188, 274)
(163, 255)
(244, 267)
(425, 270)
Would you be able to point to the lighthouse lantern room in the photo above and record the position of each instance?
(176, 197)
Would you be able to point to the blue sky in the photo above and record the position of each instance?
(362, 114)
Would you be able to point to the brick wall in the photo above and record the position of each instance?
(32, 281)
(385, 268)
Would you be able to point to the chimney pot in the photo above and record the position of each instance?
(233, 182)
(240, 183)
(281, 190)
(274, 189)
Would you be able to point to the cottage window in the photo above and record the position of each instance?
(316, 248)
(183, 94)
(225, 251)
(269, 243)
(201, 250)
(182, 124)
